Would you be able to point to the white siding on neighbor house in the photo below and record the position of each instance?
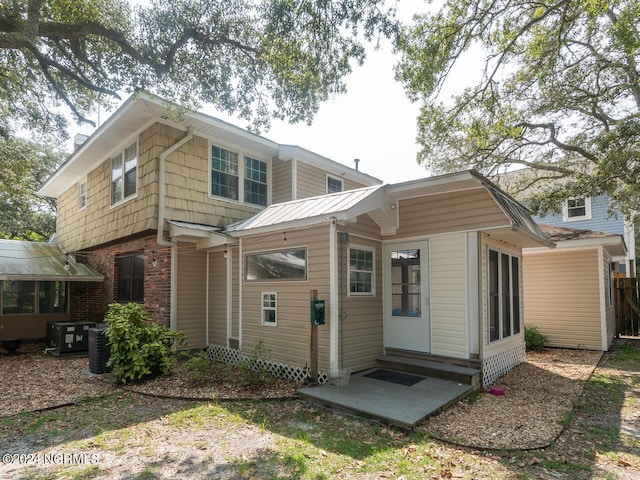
(562, 294)
(191, 295)
(449, 309)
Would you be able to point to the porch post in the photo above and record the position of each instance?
(334, 328)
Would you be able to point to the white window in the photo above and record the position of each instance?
(361, 271)
(82, 194)
(504, 295)
(578, 208)
(124, 174)
(334, 184)
(269, 308)
(229, 179)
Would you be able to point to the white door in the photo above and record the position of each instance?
(406, 301)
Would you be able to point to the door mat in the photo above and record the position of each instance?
(400, 378)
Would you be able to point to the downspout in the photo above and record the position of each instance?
(334, 314)
(173, 321)
(162, 186)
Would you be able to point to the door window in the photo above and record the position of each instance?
(405, 283)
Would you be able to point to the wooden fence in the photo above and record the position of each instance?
(627, 300)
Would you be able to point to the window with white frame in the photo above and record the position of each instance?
(269, 308)
(124, 174)
(504, 295)
(255, 181)
(361, 271)
(578, 208)
(82, 194)
(224, 173)
(334, 184)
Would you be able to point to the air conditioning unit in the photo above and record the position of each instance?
(68, 337)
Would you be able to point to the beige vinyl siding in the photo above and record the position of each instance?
(450, 212)
(448, 285)
(312, 181)
(562, 297)
(217, 298)
(99, 222)
(191, 295)
(362, 329)
(288, 341)
(282, 178)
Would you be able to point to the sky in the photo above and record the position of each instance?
(373, 121)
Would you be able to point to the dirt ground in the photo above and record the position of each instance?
(535, 412)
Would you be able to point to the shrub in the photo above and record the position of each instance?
(534, 339)
(140, 348)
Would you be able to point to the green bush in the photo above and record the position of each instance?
(534, 339)
(140, 348)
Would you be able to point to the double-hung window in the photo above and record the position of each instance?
(224, 173)
(269, 308)
(82, 194)
(578, 208)
(245, 182)
(361, 271)
(124, 174)
(504, 295)
(255, 181)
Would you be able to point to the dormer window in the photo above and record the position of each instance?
(578, 208)
(124, 174)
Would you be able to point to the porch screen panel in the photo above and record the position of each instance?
(405, 283)
(506, 296)
(494, 297)
(515, 290)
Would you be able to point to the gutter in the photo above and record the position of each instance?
(162, 185)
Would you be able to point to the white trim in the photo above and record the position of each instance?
(229, 266)
(206, 305)
(334, 328)
(173, 320)
(373, 292)
(274, 309)
(81, 182)
(587, 209)
(472, 305)
(110, 160)
(294, 179)
(603, 301)
(501, 250)
(240, 293)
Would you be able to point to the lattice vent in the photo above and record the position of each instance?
(496, 365)
(235, 357)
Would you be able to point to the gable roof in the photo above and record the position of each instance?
(143, 109)
(381, 202)
(21, 260)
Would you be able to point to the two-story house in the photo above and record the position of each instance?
(569, 289)
(226, 235)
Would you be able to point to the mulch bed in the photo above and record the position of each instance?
(538, 395)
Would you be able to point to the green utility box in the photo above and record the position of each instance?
(317, 312)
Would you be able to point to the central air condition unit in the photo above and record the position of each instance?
(68, 337)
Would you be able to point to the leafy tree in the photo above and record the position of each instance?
(254, 58)
(559, 94)
(23, 168)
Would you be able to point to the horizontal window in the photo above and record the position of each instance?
(290, 264)
(19, 297)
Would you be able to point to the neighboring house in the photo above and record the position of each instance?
(569, 291)
(226, 235)
(594, 213)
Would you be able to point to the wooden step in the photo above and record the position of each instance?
(430, 368)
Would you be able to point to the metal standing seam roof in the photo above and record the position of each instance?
(304, 211)
(20, 260)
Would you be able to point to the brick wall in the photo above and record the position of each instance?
(94, 300)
